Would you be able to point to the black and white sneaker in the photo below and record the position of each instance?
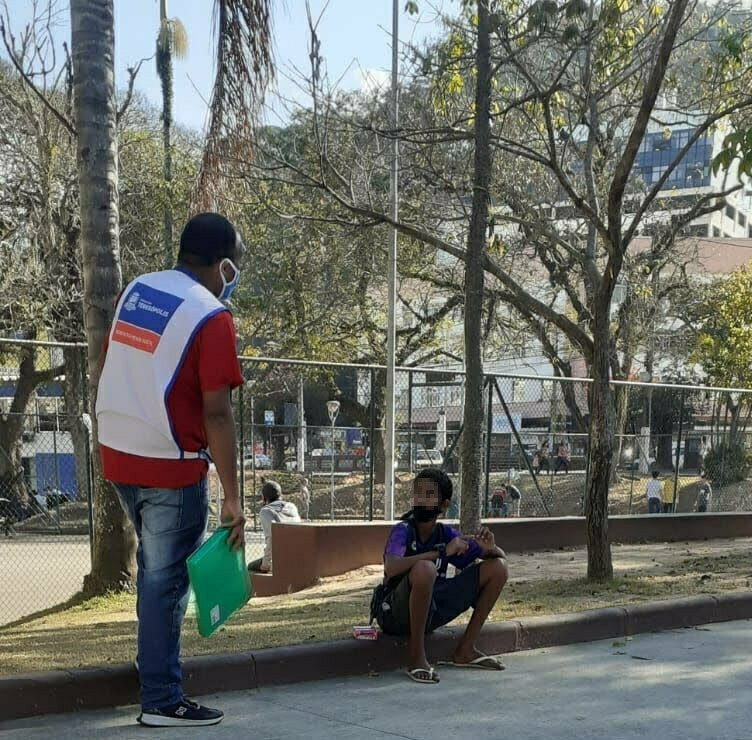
(183, 714)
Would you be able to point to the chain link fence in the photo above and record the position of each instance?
(329, 460)
(535, 440)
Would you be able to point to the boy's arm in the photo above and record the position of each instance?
(396, 565)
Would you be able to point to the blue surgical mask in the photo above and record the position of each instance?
(228, 287)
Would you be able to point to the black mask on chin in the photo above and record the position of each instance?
(425, 514)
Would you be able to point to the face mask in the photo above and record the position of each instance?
(228, 287)
(425, 514)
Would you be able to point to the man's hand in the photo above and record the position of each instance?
(457, 546)
(485, 538)
(233, 519)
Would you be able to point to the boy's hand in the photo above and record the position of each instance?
(485, 538)
(457, 546)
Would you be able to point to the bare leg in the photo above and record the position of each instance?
(422, 577)
(493, 576)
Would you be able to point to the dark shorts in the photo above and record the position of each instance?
(451, 597)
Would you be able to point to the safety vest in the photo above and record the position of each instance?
(157, 317)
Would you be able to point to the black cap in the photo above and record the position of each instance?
(210, 237)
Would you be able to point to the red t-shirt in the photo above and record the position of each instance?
(211, 363)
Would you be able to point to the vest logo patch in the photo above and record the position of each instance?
(144, 317)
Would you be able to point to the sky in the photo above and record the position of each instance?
(354, 34)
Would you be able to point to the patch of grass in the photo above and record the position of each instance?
(103, 630)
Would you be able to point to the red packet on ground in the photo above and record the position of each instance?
(365, 633)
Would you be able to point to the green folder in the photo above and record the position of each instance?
(220, 581)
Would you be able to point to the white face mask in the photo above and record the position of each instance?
(228, 287)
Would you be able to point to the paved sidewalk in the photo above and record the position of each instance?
(677, 685)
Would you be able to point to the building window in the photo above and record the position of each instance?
(433, 397)
(731, 212)
(742, 219)
(695, 230)
(716, 231)
(455, 395)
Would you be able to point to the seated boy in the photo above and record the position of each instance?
(416, 597)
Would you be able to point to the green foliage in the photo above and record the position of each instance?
(724, 339)
(727, 462)
(736, 146)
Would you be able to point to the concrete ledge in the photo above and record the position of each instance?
(206, 674)
(730, 607)
(561, 629)
(666, 615)
(303, 553)
(57, 692)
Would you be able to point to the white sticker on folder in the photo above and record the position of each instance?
(214, 615)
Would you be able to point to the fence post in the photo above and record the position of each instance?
(678, 449)
(410, 459)
(489, 427)
(89, 462)
(89, 496)
(241, 406)
(371, 449)
(253, 467)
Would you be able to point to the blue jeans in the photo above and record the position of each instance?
(170, 525)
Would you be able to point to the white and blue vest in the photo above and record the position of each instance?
(157, 317)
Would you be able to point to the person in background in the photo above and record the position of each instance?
(275, 510)
(653, 492)
(498, 506)
(704, 449)
(541, 458)
(416, 597)
(305, 495)
(667, 496)
(705, 494)
(562, 458)
(164, 410)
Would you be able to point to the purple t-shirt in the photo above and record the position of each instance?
(396, 544)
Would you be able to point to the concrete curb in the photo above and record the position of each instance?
(56, 692)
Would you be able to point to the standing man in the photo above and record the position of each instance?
(705, 494)
(653, 492)
(562, 458)
(163, 409)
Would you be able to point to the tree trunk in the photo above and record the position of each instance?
(92, 49)
(472, 435)
(600, 567)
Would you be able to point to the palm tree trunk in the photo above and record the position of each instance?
(164, 70)
(92, 48)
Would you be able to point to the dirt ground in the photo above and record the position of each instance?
(102, 631)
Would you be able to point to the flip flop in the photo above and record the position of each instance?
(482, 663)
(423, 675)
